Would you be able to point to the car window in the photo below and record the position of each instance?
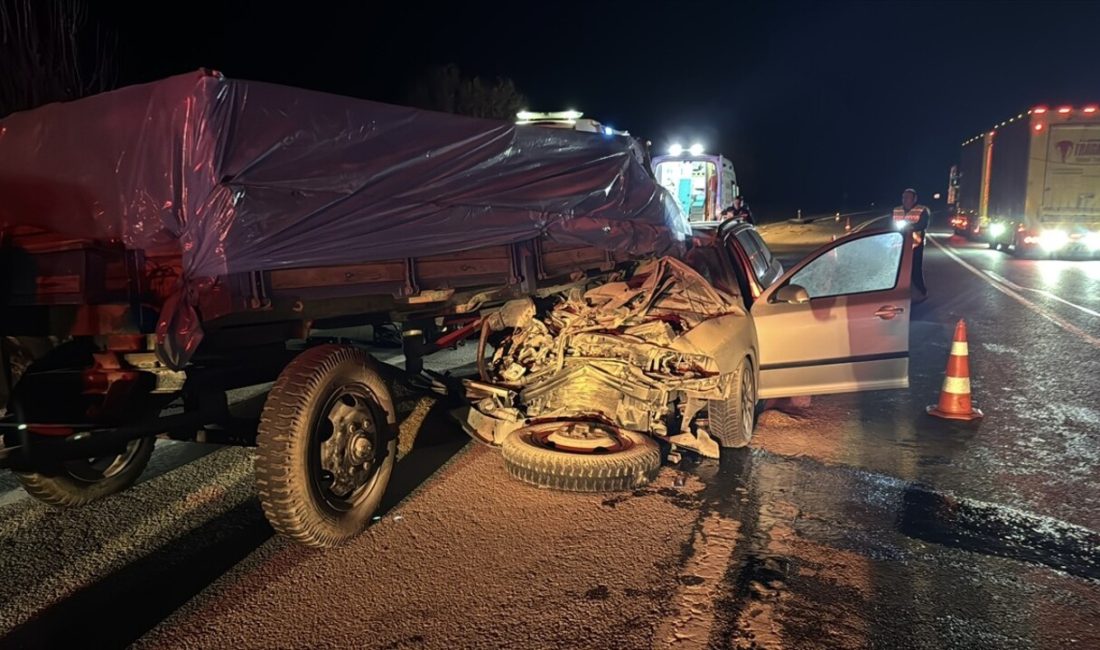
(758, 254)
(861, 265)
(766, 255)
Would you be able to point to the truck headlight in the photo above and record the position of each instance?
(997, 229)
(1053, 240)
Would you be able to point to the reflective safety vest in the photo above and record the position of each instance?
(912, 216)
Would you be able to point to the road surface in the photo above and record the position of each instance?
(856, 521)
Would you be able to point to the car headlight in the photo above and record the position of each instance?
(1053, 240)
(997, 229)
(900, 224)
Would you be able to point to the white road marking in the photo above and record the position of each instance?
(1015, 295)
(1043, 292)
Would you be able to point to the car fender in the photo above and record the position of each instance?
(727, 339)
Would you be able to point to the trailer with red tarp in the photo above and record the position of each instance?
(164, 243)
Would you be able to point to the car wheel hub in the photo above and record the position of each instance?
(579, 437)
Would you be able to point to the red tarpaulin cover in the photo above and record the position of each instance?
(246, 176)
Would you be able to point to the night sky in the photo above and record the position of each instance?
(821, 106)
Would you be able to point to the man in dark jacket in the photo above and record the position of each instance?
(741, 210)
(911, 215)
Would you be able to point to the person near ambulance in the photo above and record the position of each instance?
(739, 210)
(914, 217)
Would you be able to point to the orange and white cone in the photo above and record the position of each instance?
(955, 401)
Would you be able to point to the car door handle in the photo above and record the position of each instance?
(887, 312)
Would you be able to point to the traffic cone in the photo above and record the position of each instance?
(955, 395)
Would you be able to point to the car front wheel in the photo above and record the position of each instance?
(731, 420)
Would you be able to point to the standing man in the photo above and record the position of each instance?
(914, 216)
(741, 210)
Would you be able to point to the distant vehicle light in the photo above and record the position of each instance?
(607, 130)
(1064, 109)
(936, 196)
(525, 115)
(675, 150)
(696, 149)
(997, 229)
(1053, 240)
(572, 114)
(1092, 240)
(1089, 109)
(901, 224)
(1039, 109)
(1038, 127)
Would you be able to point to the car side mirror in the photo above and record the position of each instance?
(792, 293)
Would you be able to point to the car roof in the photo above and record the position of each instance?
(709, 231)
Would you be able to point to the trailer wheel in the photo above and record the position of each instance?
(732, 420)
(581, 457)
(79, 482)
(326, 446)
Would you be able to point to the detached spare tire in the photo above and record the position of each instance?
(581, 456)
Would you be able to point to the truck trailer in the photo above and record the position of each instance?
(1031, 184)
(163, 244)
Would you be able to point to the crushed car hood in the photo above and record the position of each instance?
(637, 353)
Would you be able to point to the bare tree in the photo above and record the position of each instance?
(47, 55)
(444, 88)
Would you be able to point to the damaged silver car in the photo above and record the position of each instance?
(601, 367)
(579, 390)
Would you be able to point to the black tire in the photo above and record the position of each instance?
(732, 420)
(633, 465)
(79, 482)
(300, 495)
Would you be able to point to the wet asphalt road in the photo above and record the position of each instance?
(854, 522)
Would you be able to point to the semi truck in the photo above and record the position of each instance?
(1031, 184)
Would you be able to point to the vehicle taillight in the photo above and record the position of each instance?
(1039, 109)
(1064, 109)
(1089, 109)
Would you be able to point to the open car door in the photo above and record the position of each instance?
(838, 321)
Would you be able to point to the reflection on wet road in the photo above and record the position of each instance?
(831, 556)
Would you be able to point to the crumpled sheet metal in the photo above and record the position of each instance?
(246, 176)
(617, 351)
